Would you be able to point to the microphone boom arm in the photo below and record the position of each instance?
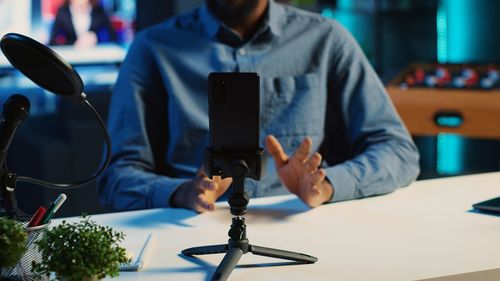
(90, 178)
(28, 55)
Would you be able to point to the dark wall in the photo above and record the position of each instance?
(150, 12)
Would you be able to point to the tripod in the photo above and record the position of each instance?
(238, 243)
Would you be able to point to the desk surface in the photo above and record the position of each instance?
(422, 231)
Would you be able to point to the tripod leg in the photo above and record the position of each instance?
(282, 254)
(227, 264)
(205, 250)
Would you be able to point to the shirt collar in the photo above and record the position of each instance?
(275, 20)
(209, 22)
(276, 17)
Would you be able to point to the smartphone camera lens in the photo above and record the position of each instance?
(219, 91)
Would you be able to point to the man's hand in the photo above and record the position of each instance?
(300, 173)
(200, 193)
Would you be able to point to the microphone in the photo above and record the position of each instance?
(15, 110)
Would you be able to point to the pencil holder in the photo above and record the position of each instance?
(22, 270)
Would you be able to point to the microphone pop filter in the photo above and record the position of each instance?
(41, 65)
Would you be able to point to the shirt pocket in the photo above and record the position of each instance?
(293, 107)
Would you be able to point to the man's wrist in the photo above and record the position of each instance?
(177, 198)
(330, 190)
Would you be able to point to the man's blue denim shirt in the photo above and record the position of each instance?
(315, 81)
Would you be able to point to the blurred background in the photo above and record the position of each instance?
(438, 58)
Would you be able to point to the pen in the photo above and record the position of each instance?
(53, 207)
(37, 217)
(139, 262)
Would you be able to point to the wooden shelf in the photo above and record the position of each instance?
(419, 107)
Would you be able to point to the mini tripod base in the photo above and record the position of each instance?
(237, 246)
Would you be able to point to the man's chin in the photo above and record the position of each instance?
(232, 12)
(231, 3)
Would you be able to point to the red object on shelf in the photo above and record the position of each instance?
(420, 75)
(410, 81)
(37, 217)
(444, 75)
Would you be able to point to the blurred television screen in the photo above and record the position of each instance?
(65, 25)
(15, 16)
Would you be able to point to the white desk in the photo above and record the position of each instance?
(423, 231)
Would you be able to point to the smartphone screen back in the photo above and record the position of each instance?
(234, 100)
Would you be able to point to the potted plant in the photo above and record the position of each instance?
(12, 244)
(80, 251)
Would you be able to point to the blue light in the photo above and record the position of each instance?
(327, 12)
(471, 29)
(442, 33)
(460, 16)
(449, 121)
(449, 154)
(450, 147)
(346, 4)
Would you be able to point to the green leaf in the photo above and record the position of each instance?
(82, 249)
(12, 242)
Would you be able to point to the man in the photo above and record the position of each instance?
(318, 94)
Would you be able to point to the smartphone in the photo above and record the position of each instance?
(234, 100)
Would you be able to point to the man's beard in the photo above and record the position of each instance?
(232, 12)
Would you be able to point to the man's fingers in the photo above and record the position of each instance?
(202, 205)
(313, 162)
(227, 182)
(205, 184)
(303, 150)
(198, 204)
(220, 185)
(201, 172)
(315, 190)
(318, 176)
(224, 185)
(276, 151)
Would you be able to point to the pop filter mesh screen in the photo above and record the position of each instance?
(42, 66)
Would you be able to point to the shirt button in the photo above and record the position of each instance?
(242, 52)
